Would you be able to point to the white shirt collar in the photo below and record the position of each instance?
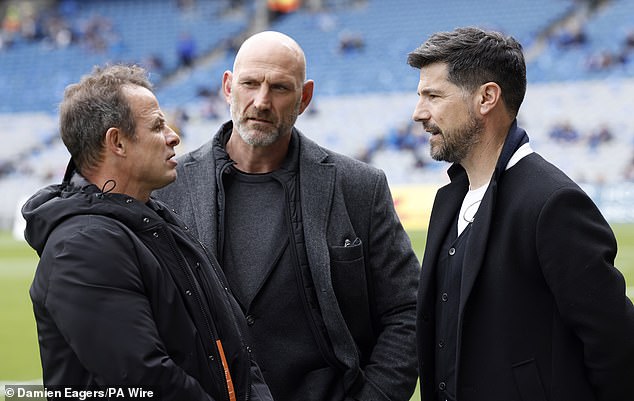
(519, 154)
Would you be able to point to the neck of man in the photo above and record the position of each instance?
(257, 159)
(111, 181)
(481, 160)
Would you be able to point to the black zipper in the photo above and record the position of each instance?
(221, 216)
(207, 319)
(226, 294)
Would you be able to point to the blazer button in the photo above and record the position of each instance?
(452, 251)
(250, 320)
(442, 386)
(444, 297)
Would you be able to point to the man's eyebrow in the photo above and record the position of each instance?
(427, 91)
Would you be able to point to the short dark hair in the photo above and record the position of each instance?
(95, 104)
(474, 57)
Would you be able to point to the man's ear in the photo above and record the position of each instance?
(307, 95)
(115, 141)
(227, 77)
(490, 95)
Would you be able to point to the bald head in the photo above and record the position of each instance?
(266, 91)
(276, 49)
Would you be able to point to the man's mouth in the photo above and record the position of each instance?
(433, 130)
(260, 119)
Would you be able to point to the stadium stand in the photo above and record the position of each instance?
(603, 53)
(143, 31)
(356, 51)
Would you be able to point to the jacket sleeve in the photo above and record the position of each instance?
(96, 298)
(577, 248)
(393, 269)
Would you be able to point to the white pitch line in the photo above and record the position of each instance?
(33, 382)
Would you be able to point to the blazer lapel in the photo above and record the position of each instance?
(316, 181)
(201, 175)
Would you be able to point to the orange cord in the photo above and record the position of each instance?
(232, 393)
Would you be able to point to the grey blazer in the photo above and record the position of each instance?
(367, 289)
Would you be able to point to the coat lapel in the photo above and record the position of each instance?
(476, 248)
(317, 183)
(475, 251)
(199, 173)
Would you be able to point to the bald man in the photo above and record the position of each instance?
(308, 239)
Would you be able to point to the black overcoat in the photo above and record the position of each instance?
(543, 313)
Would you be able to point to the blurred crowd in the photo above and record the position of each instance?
(56, 27)
(410, 137)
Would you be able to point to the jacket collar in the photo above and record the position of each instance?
(515, 138)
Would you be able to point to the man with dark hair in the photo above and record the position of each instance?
(309, 239)
(123, 295)
(519, 298)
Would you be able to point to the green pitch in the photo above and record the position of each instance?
(18, 337)
(19, 357)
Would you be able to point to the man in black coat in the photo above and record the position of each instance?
(124, 297)
(519, 298)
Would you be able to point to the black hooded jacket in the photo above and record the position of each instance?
(124, 296)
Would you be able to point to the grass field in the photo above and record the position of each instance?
(19, 358)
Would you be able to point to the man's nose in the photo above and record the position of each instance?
(171, 137)
(262, 99)
(421, 111)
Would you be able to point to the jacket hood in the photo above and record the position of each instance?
(75, 196)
